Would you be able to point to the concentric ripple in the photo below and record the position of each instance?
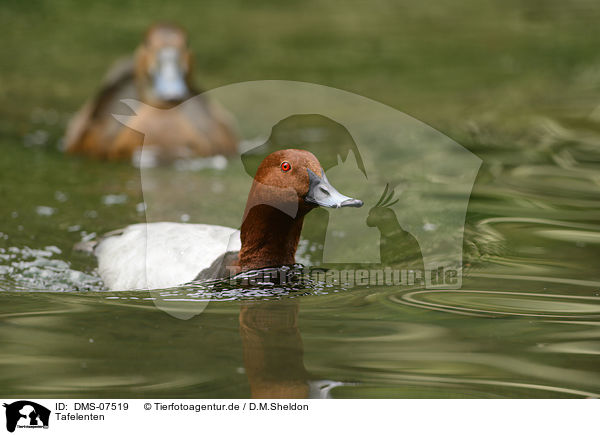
(486, 303)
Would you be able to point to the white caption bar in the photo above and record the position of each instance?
(181, 416)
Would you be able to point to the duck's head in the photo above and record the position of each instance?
(163, 66)
(296, 176)
(287, 185)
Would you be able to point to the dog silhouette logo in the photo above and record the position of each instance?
(26, 414)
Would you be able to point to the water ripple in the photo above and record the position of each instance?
(485, 303)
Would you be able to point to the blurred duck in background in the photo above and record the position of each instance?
(157, 84)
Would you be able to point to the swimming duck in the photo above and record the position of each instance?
(288, 184)
(159, 76)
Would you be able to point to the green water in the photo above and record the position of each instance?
(517, 83)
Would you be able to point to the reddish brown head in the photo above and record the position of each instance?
(162, 35)
(294, 181)
(288, 184)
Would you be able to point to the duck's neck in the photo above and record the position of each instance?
(269, 238)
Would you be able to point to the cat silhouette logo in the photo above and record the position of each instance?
(26, 414)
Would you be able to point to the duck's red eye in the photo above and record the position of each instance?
(285, 166)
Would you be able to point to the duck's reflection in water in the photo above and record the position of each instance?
(274, 353)
(273, 350)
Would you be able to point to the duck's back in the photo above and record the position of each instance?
(93, 129)
(162, 254)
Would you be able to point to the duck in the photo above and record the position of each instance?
(288, 184)
(159, 77)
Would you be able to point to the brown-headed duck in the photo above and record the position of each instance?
(288, 184)
(159, 76)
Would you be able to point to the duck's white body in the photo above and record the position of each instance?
(162, 254)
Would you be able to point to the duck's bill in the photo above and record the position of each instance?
(321, 192)
(169, 79)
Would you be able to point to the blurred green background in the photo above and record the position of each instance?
(444, 62)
